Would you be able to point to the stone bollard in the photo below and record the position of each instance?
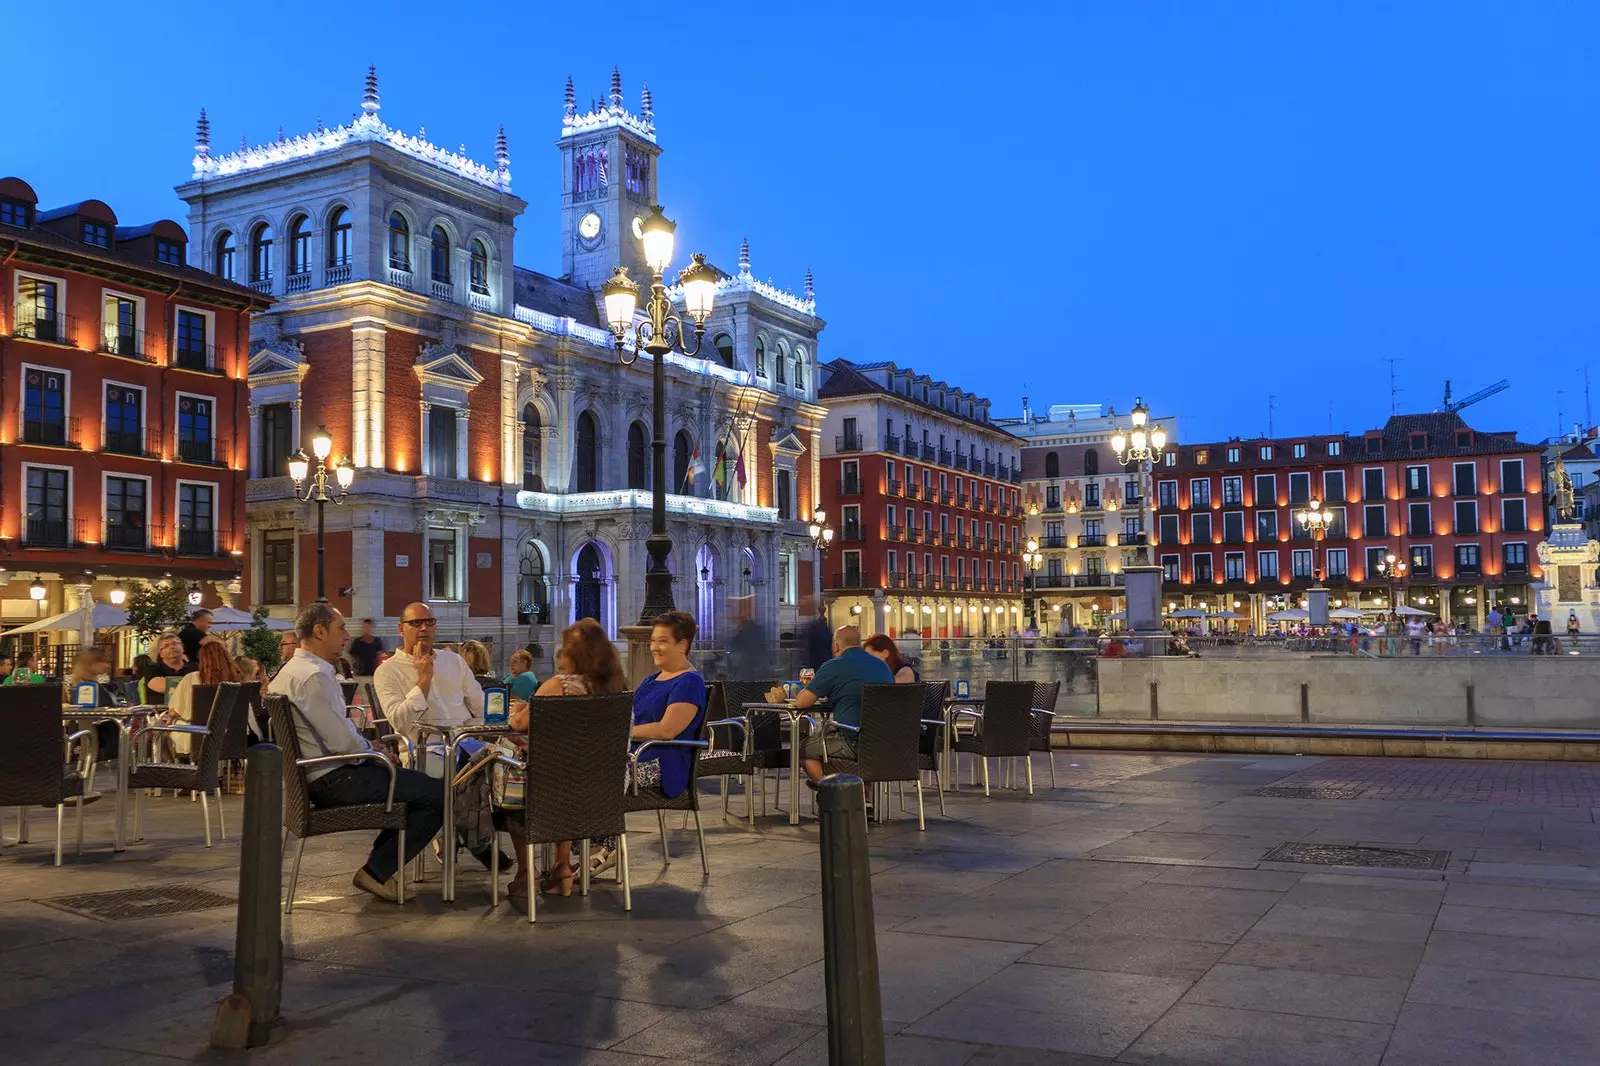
(245, 1019)
(850, 942)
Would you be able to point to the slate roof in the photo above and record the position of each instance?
(555, 297)
(844, 378)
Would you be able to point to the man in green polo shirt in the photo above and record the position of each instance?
(839, 681)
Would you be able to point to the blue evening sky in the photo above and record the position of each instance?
(1203, 202)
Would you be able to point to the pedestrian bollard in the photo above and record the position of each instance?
(849, 939)
(245, 1018)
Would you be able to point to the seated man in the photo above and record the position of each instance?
(323, 726)
(839, 681)
(521, 679)
(423, 685)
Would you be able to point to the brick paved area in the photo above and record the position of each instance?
(1129, 916)
(1545, 784)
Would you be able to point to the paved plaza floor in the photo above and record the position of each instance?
(1130, 916)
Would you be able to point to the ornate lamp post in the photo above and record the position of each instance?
(659, 333)
(1315, 521)
(1143, 445)
(316, 491)
(821, 539)
(1032, 560)
(1395, 570)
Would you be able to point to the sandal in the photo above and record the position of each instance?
(601, 860)
(556, 881)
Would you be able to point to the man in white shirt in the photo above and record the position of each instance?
(423, 685)
(323, 726)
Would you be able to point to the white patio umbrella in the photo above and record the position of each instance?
(1293, 614)
(100, 616)
(1187, 612)
(1225, 614)
(231, 619)
(1405, 610)
(1349, 613)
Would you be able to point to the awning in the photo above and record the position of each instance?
(231, 619)
(102, 616)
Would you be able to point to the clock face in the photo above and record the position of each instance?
(638, 227)
(589, 226)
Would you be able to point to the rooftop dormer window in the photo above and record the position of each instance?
(1419, 441)
(97, 234)
(1463, 438)
(13, 213)
(169, 252)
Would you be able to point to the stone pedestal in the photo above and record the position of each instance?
(639, 664)
(1568, 558)
(1317, 604)
(1143, 596)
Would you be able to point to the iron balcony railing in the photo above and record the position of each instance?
(54, 533)
(133, 441)
(929, 453)
(127, 536)
(847, 442)
(54, 432)
(191, 356)
(52, 327)
(196, 542)
(128, 345)
(195, 451)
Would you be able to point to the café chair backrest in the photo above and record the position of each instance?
(891, 729)
(577, 765)
(1007, 718)
(296, 800)
(32, 756)
(726, 699)
(235, 735)
(224, 705)
(349, 690)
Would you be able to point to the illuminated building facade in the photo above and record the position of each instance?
(501, 450)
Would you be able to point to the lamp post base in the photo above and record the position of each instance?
(657, 579)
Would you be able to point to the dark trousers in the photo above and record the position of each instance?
(423, 796)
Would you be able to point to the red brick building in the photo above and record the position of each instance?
(122, 408)
(1460, 506)
(922, 492)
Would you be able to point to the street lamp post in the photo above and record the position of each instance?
(1314, 520)
(821, 539)
(1395, 570)
(316, 491)
(660, 333)
(1032, 559)
(1142, 445)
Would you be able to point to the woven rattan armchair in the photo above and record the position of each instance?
(1003, 727)
(656, 799)
(577, 765)
(199, 776)
(305, 820)
(1043, 721)
(35, 759)
(930, 742)
(888, 743)
(755, 738)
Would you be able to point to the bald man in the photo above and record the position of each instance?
(421, 684)
(839, 681)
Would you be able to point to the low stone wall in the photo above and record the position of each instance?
(1510, 692)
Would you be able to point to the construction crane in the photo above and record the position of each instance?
(1481, 394)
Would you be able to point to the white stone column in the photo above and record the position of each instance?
(423, 463)
(463, 431)
(254, 448)
(368, 558)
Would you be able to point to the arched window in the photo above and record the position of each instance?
(781, 364)
(399, 242)
(225, 256)
(591, 577)
(339, 238)
(1052, 464)
(638, 467)
(300, 245)
(439, 255)
(532, 449)
(682, 449)
(261, 253)
(799, 375)
(761, 357)
(480, 269)
(587, 465)
(1091, 463)
(533, 597)
(724, 346)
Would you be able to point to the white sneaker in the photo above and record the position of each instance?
(385, 890)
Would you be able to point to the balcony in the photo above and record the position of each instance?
(53, 433)
(891, 444)
(1053, 541)
(896, 580)
(935, 583)
(963, 541)
(261, 285)
(895, 533)
(961, 499)
(914, 535)
(337, 275)
(443, 290)
(127, 345)
(913, 581)
(852, 534)
(400, 277)
(929, 453)
(53, 533)
(946, 497)
(945, 458)
(197, 542)
(988, 468)
(847, 442)
(1516, 569)
(296, 283)
(1092, 540)
(891, 487)
(132, 442)
(961, 461)
(849, 486)
(200, 357)
(127, 536)
(196, 451)
(478, 301)
(847, 579)
(50, 327)
(913, 491)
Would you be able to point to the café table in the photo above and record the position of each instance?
(125, 718)
(453, 737)
(795, 716)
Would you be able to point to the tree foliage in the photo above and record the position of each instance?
(154, 608)
(261, 643)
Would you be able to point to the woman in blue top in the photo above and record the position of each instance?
(668, 705)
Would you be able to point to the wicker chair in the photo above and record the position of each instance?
(1043, 720)
(656, 799)
(237, 738)
(306, 821)
(1003, 727)
(930, 741)
(202, 774)
(889, 740)
(34, 759)
(577, 762)
(758, 738)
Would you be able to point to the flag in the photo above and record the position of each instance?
(720, 474)
(739, 469)
(688, 475)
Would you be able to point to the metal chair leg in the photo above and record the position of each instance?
(622, 871)
(494, 871)
(294, 875)
(1030, 775)
(705, 864)
(138, 815)
(61, 810)
(1052, 767)
(661, 820)
(533, 886)
(400, 870)
(922, 824)
(583, 873)
(940, 785)
(81, 805)
(986, 776)
(205, 812)
(222, 830)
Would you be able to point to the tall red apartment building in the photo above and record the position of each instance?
(122, 407)
(922, 492)
(1461, 507)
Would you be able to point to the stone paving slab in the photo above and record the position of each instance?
(1128, 916)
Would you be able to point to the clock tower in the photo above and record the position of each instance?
(608, 185)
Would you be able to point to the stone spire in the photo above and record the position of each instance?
(502, 151)
(744, 256)
(369, 95)
(646, 103)
(810, 290)
(281, 137)
(616, 89)
(202, 136)
(569, 106)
